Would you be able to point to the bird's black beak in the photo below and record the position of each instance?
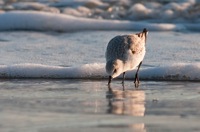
(109, 80)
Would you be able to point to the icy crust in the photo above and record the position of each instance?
(42, 21)
(174, 72)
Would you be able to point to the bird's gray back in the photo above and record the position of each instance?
(117, 48)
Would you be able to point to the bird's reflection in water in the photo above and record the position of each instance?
(127, 102)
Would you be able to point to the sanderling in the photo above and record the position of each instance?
(125, 53)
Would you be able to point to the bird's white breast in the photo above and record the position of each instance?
(134, 59)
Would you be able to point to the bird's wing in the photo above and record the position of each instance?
(116, 48)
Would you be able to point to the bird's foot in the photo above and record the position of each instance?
(137, 83)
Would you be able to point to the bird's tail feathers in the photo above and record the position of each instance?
(143, 34)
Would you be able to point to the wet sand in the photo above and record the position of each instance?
(88, 105)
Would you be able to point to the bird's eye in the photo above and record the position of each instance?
(115, 71)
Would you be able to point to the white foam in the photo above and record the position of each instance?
(42, 21)
(34, 6)
(139, 11)
(181, 11)
(44, 71)
(175, 72)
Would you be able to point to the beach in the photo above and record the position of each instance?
(37, 103)
(88, 105)
(52, 66)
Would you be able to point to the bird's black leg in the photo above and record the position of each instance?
(123, 78)
(109, 80)
(137, 81)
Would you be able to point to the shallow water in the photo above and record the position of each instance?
(49, 105)
(85, 105)
(78, 48)
(27, 54)
(45, 105)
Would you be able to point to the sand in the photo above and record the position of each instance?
(49, 105)
(88, 105)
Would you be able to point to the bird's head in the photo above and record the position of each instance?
(114, 68)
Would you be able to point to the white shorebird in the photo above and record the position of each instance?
(125, 53)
